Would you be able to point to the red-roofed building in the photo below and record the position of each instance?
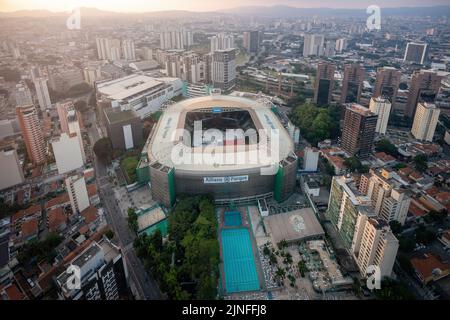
(432, 191)
(94, 199)
(384, 158)
(34, 211)
(416, 176)
(56, 220)
(416, 209)
(443, 197)
(29, 229)
(434, 171)
(90, 214)
(12, 292)
(59, 201)
(406, 171)
(430, 268)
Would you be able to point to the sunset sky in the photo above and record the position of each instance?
(198, 5)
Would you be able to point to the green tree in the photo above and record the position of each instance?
(353, 164)
(393, 290)
(132, 220)
(109, 234)
(103, 149)
(384, 145)
(421, 162)
(396, 227)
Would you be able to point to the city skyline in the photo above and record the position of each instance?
(199, 5)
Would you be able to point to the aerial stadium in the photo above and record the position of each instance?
(233, 148)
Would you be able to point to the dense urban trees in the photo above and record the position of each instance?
(185, 264)
(316, 123)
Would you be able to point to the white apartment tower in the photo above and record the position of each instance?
(78, 195)
(389, 199)
(222, 41)
(103, 48)
(425, 121)
(129, 52)
(42, 93)
(381, 107)
(376, 246)
(313, 45)
(311, 159)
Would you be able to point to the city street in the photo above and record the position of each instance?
(145, 285)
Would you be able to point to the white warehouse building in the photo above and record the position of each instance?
(139, 92)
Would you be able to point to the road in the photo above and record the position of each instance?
(146, 286)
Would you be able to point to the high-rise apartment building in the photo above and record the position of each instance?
(78, 195)
(424, 87)
(222, 41)
(224, 69)
(388, 194)
(425, 121)
(176, 39)
(129, 52)
(22, 94)
(341, 45)
(252, 41)
(32, 133)
(345, 205)
(352, 83)
(92, 72)
(324, 83)
(63, 108)
(42, 93)
(415, 52)
(313, 45)
(103, 48)
(358, 131)
(102, 271)
(376, 245)
(382, 108)
(387, 83)
(366, 237)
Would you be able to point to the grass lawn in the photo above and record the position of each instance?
(129, 165)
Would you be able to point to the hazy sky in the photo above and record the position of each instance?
(199, 5)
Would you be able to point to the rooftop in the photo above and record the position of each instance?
(125, 87)
(166, 134)
(115, 116)
(293, 226)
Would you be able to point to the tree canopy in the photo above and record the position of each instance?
(316, 123)
(186, 264)
(103, 149)
(384, 145)
(421, 162)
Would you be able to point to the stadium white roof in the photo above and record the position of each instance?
(166, 137)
